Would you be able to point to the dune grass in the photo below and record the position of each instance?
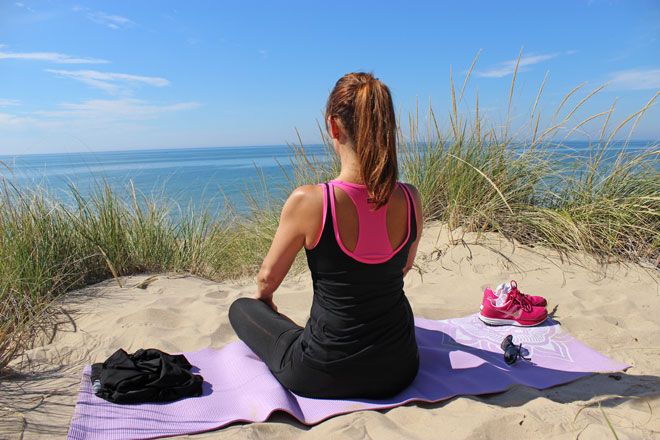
(480, 177)
(471, 175)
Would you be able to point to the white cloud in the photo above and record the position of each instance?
(635, 79)
(52, 57)
(23, 6)
(92, 115)
(508, 67)
(110, 82)
(111, 21)
(8, 119)
(9, 102)
(115, 109)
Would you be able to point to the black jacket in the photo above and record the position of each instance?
(147, 375)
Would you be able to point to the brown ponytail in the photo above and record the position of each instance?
(364, 106)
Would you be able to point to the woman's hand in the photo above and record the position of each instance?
(267, 300)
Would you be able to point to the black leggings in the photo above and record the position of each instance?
(275, 339)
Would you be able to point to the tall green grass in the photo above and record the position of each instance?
(48, 248)
(481, 177)
(473, 175)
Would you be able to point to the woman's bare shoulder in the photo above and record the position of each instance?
(307, 197)
(309, 188)
(307, 192)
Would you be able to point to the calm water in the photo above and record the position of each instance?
(203, 176)
(197, 175)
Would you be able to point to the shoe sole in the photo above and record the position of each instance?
(499, 321)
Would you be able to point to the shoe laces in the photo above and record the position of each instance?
(520, 298)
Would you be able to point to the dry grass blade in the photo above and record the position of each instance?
(639, 117)
(513, 86)
(566, 98)
(609, 424)
(583, 101)
(584, 122)
(144, 284)
(610, 112)
(7, 167)
(111, 266)
(487, 178)
(469, 74)
(538, 95)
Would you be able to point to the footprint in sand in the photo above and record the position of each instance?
(151, 317)
(217, 294)
(588, 295)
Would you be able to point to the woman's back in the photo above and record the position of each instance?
(360, 314)
(360, 241)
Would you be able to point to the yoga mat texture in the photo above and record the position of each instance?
(457, 357)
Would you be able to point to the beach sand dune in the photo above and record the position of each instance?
(615, 310)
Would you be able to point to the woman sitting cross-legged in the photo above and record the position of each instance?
(360, 232)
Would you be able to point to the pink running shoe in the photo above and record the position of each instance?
(505, 288)
(511, 309)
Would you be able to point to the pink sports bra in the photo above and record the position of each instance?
(373, 244)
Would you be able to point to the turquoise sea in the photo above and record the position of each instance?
(201, 176)
(186, 175)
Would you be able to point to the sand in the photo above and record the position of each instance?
(615, 309)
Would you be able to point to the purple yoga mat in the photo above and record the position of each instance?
(457, 357)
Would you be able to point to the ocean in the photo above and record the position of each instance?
(198, 176)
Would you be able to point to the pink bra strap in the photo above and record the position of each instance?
(373, 242)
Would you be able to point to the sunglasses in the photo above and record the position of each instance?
(513, 352)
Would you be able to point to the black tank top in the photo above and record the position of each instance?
(360, 315)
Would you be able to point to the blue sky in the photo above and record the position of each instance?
(93, 76)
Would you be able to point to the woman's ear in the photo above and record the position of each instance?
(332, 127)
(328, 125)
(336, 131)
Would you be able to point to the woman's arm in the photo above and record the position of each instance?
(419, 216)
(287, 242)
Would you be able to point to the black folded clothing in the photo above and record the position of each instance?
(147, 375)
